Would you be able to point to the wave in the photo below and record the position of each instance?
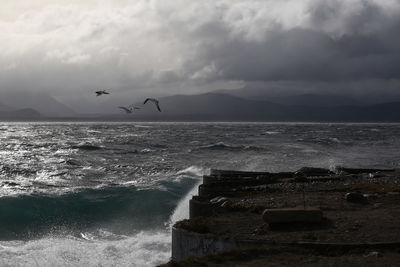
(146, 248)
(322, 140)
(223, 146)
(272, 132)
(181, 212)
(86, 147)
(193, 171)
(120, 209)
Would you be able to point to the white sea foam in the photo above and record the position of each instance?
(181, 211)
(142, 249)
(193, 171)
(272, 132)
(92, 249)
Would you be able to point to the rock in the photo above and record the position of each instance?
(375, 254)
(355, 197)
(292, 215)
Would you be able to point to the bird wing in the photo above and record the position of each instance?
(147, 99)
(127, 110)
(158, 106)
(132, 107)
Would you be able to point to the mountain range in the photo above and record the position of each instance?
(215, 106)
(223, 107)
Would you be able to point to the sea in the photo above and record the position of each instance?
(107, 193)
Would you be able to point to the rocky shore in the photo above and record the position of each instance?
(311, 217)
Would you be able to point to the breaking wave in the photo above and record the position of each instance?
(119, 209)
(193, 171)
(223, 146)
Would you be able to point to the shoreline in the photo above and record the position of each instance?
(228, 215)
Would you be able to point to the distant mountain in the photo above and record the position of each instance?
(41, 102)
(21, 114)
(314, 100)
(210, 106)
(223, 107)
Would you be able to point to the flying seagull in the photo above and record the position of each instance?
(103, 92)
(127, 110)
(155, 101)
(132, 107)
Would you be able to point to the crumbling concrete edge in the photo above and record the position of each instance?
(186, 243)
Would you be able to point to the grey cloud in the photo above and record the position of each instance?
(156, 46)
(366, 47)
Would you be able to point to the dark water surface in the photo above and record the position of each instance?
(102, 194)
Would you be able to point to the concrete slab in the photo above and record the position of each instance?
(292, 215)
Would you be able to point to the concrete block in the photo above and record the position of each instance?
(292, 215)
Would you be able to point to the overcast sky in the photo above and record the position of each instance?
(186, 46)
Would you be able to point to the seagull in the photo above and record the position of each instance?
(155, 101)
(132, 107)
(103, 92)
(127, 110)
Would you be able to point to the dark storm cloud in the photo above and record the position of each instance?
(365, 45)
(160, 46)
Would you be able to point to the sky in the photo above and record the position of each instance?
(150, 47)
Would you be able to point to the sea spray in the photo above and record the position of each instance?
(193, 171)
(181, 212)
(145, 248)
(93, 246)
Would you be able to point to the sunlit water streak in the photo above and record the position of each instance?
(105, 194)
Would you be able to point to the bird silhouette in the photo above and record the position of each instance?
(155, 101)
(103, 92)
(127, 110)
(132, 107)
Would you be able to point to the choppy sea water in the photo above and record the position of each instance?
(106, 194)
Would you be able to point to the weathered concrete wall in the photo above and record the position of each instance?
(185, 244)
